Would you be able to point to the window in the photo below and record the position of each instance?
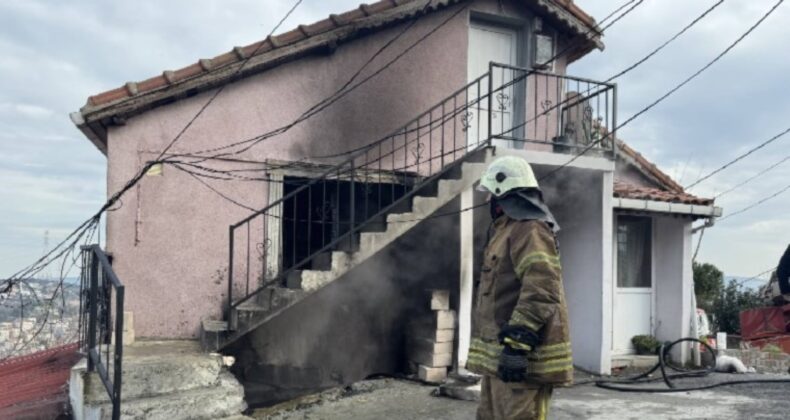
(634, 250)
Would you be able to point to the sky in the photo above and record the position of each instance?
(55, 54)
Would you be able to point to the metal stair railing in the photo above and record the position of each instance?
(372, 181)
(101, 326)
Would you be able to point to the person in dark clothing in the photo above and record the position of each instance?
(783, 272)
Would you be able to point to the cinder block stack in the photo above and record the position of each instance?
(430, 339)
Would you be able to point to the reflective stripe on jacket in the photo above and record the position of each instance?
(521, 284)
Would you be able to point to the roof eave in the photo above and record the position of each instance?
(95, 117)
(653, 206)
(97, 137)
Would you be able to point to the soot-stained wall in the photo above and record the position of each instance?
(354, 327)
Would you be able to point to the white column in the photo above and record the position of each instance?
(274, 227)
(466, 280)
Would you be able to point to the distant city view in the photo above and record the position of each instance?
(38, 316)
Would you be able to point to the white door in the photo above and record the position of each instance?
(633, 291)
(489, 43)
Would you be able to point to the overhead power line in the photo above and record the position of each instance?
(75, 236)
(753, 205)
(753, 177)
(622, 72)
(667, 42)
(671, 91)
(757, 276)
(325, 103)
(738, 158)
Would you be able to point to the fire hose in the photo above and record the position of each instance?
(634, 383)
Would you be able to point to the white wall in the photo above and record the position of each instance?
(582, 203)
(673, 280)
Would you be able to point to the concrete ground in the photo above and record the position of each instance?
(396, 399)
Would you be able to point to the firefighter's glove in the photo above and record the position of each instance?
(512, 365)
(518, 337)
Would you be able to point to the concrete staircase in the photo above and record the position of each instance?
(272, 300)
(162, 380)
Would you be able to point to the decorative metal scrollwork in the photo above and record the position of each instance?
(416, 151)
(503, 100)
(324, 211)
(546, 104)
(466, 120)
(263, 248)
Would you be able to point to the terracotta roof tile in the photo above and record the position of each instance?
(298, 34)
(649, 167)
(35, 385)
(626, 190)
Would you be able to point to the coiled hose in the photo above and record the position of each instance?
(633, 384)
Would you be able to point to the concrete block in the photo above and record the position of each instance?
(128, 327)
(445, 320)
(432, 374)
(212, 332)
(421, 344)
(434, 360)
(440, 300)
(430, 359)
(428, 331)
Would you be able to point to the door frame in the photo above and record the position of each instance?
(652, 288)
(522, 30)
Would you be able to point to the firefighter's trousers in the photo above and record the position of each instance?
(506, 401)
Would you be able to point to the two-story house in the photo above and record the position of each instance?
(299, 218)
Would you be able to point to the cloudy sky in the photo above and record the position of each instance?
(55, 54)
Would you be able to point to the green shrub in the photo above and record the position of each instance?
(645, 344)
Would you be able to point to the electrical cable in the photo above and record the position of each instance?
(634, 384)
(738, 158)
(753, 177)
(222, 88)
(671, 91)
(753, 205)
(621, 73)
(253, 141)
(265, 136)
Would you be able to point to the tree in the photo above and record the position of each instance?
(708, 285)
(728, 306)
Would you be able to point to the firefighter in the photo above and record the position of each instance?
(520, 340)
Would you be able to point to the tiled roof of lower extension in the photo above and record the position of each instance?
(625, 190)
(36, 385)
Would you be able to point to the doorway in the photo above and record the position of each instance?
(500, 44)
(633, 291)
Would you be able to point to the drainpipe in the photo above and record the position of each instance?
(708, 224)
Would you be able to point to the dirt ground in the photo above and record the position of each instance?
(398, 399)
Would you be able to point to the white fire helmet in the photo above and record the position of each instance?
(507, 173)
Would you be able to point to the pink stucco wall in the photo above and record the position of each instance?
(169, 237)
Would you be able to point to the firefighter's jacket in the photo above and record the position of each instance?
(521, 284)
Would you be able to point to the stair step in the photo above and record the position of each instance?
(355, 249)
(223, 399)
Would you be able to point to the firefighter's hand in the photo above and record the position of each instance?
(512, 365)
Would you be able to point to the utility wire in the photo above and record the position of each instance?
(622, 72)
(747, 208)
(74, 237)
(673, 90)
(757, 276)
(740, 157)
(753, 177)
(253, 141)
(667, 42)
(459, 109)
(222, 88)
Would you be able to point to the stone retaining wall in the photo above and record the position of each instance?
(762, 361)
